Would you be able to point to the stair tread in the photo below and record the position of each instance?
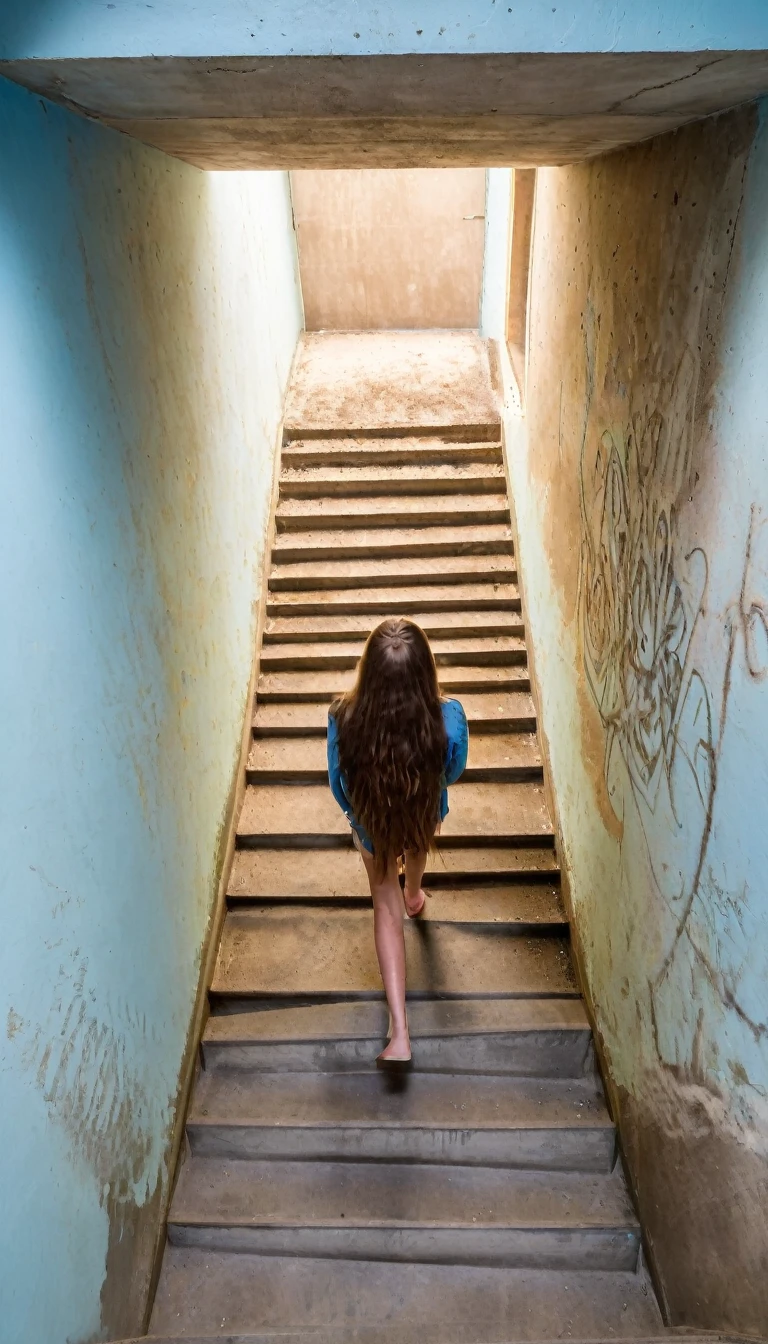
(245, 1097)
(354, 645)
(327, 480)
(387, 539)
(418, 570)
(427, 1018)
(288, 951)
(283, 1193)
(481, 708)
(484, 810)
(487, 751)
(398, 598)
(355, 1302)
(372, 508)
(283, 873)
(348, 450)
(326, 685)
(518, 906)
(436, 625)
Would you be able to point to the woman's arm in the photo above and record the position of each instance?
(334, 770)
(458, 740)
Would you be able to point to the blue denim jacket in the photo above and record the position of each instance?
(455, 721)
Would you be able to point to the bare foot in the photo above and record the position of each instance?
(397, 1050)
(414, 904)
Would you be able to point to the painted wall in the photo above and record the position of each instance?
(495, 295)
(393, 249)
(641, 488)
(51, 28)
(149, 318)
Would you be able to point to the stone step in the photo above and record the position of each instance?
(396, 600)
(308, 815)
(284, 952)
(508, 712)
(477, 651)
(375, 510)
(273, 874)
(358, 1302)
(284, 687)
(436, 625)
(524, 909)
(493, 757)
(476, 478)
(354, 543)
(526, 1037)
(372, 573)
(407, 450)
(542, 1124)
(380, 1211)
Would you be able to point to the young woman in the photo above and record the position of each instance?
(394, 745)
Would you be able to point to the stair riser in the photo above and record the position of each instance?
(506, 627)
(484, 431)
(322, 840)
(403, 484)
(488, 600)
(384, 454)
(583, 1249)
(500, 774)
(288, 554)
(269, 696)
(287, 583)
(326, 662)
(478, 516)
(518, 724)
(544, 1054)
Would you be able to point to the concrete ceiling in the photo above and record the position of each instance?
(397, 111)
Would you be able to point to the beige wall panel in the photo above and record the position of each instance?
(388, 249)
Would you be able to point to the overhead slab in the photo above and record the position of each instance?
(397, 110)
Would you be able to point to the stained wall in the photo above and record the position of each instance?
(149, 318)
(640, 478)
(386, 249)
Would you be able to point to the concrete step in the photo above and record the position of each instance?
(308, 815)
(476, 478)
(539, 1124)
(477, 651)
(521, 908)
(436, 625)
(320, 952)
(372, 573)
(216, 1294)
(374, 510)
(526, 1037)
(352, 543)
(493, 757)
(373, 1210)
(325, 874)
(508, 712)
(285, 687)
(386, 452)
(399, 599)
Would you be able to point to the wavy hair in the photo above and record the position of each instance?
(392, 740)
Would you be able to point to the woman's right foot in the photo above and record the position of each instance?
(414, 904)
(396, 1051)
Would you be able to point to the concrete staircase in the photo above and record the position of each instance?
(478, 1199)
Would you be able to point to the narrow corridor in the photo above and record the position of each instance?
(478, 1199)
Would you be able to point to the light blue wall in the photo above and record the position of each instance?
(149, 318)
(59, 28)
(640, 480)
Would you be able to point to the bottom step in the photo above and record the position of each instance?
(206, 1295)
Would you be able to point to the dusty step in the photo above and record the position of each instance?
(521, 908)
(275, 874)
(373, 511)
(307, 814)
(408, 450)
(439, 479)
(436, 625)
(284, 952)
(284, 687)
(380, 1211)
(509, 712)
(493, 757)
(387, 541)
(373, 573)
(399, 599)
(356, 1302)
(477, 651)
(483, 1120)
(528, 1037)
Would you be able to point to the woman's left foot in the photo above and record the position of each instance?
(415, 904)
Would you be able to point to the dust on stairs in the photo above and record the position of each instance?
(479, 1199)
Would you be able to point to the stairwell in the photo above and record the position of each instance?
(480, 1198)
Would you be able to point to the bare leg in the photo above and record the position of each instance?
(415, 896)
(390, 950)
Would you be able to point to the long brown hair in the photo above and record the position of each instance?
(392, 740)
